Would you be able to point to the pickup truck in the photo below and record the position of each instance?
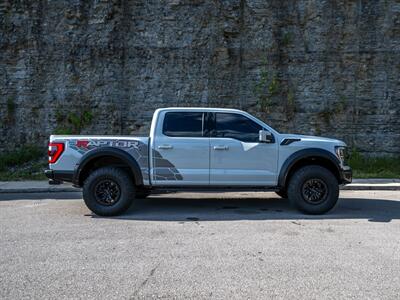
(200, 148)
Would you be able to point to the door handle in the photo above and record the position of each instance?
(165, 147)
(221, 147)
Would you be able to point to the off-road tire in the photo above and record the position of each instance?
(313, 179)
(121, 184)
(282, 193)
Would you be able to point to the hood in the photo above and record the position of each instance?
(310, 138)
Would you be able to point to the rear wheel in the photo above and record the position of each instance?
(313, 190)
(108, 191)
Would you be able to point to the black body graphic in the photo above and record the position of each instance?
(138, 150)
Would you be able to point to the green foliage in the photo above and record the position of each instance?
(286, 39)
(341, 106)
(317, 129)
(73, 122)
(63, 130)
(33, 171)
(27, 162)
(290, 98)
(10, 106)
(59, 116)
(75, 78)
(20, 156)
(266, 88)
(273, 86)
(10, 117)
(35, 112)
(290, 108)
(328, 113)
(374, 167)
(87, 117)
(325, 116)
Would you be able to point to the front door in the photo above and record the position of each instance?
(237, 157)
(181, 150)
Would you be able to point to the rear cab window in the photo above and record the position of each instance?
(184, 124)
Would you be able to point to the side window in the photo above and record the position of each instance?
(237, 127)
(183, 124)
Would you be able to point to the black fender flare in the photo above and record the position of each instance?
(108, 151)
(304, 154)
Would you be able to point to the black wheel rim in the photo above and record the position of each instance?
(107, 192)
(314, 191)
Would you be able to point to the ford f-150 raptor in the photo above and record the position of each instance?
(200, 148)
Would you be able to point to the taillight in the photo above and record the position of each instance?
(55, 151)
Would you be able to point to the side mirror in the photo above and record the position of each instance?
(266, 136)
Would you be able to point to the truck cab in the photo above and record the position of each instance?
(213, 147)
(201, 148)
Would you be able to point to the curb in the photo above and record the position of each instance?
(376, 187)
(40, 190)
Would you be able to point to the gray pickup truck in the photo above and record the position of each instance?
(200, 148)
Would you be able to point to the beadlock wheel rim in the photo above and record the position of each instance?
(314, 191)
(107, 192)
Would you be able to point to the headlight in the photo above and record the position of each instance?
(341, 153)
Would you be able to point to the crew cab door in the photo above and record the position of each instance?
(181, 149)
(236, 156)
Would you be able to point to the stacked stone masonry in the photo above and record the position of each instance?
(329, 68)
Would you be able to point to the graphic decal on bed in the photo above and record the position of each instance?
(164, 170)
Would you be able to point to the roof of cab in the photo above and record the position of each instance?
(206, 109)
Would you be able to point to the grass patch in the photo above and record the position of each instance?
(23, 163)
(374, 167)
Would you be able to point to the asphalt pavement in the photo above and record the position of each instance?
(200, 246)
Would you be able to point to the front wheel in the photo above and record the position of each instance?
(313, 190)
(108, 191)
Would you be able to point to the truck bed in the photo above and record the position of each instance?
(77, 146)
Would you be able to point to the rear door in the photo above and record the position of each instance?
(181, 149)
(236, 155)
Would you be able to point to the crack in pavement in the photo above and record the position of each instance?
(144, 282)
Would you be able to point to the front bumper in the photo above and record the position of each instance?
(346, 175)
(57, 177)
